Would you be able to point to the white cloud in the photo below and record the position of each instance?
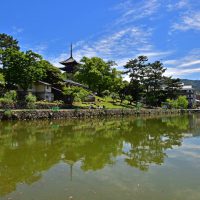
(125, 40)
(125, 43)
(132, 11)
(192, 58)
(178, 5)
(189, 21)
(183, 66)
(187, 64)
(55, 60)
(155, 54)
(175, 72)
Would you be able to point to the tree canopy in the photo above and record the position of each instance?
(51, 74)
(7, 41)
(76, 93)
(98, 75)
(22, 68)
(147, 81)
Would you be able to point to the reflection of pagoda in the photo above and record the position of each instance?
(70, 65)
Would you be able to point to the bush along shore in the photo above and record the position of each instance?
(80, 113)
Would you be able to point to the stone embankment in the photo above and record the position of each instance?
(80, 113)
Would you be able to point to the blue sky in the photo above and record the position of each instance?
(166, 30)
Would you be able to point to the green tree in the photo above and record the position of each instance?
(51, 74)
(154, 83)
(7, 42)
(2, 80)
(123, 90)
(147, 80)
(172, 88)
(182, 102)
(21, 68)
(116, 80)
(98, 75)
(172, 103)
(135, 68)
(76, 93)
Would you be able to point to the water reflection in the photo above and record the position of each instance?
(29, 148)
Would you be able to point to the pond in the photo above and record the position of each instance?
(117, 158)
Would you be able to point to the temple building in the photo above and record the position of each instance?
(45, 91)
(70, 68)
(41, 89)
(70, 65)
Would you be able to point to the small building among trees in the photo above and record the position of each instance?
(42, 90)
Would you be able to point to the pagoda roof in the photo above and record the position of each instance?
(69, 61)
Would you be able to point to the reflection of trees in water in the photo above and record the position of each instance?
(149, 142)
(29, 148)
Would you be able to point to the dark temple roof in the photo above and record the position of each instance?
(70, 65)
(44, 83)
(75, 83)
(69, 61)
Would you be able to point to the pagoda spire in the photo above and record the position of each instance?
(71, 51)
(70, 65)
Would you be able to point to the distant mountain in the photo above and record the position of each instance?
(194, 83)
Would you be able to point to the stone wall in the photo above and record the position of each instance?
(70, 114)
(38, 105)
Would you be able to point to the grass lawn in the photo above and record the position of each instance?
(106, 102)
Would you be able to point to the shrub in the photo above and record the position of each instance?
(77, 93)
(181, 102)
(129, 98)
(114, 96)
(77, 99)
(106, 93)
(30, 101)
(11, 95)
(172, 103)
(6, 103)
(8, 100)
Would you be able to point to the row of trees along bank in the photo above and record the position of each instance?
(147, 81)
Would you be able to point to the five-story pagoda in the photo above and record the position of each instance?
(70, 65)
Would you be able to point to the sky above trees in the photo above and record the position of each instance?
(166, 30)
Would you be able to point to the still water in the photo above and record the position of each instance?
(107, 159)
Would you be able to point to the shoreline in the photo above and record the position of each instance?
(24, 115)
